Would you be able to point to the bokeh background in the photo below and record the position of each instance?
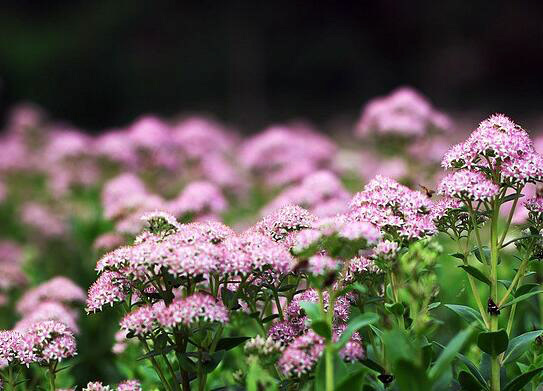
(100, 64)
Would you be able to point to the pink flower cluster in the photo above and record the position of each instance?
(301, 356)
(127, 385)
(322, 193)
(404, 113)
(51, 300)
(468, 185)
(11, 274)
(187, 311)
(302, 347)
(393, 207)
(286, 154)
(188, 250)
(126, 200)
(42, 342)
(499, 145)
(43, 219)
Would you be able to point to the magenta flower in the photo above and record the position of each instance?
(194, 308)
(301, 355)
(469, 185)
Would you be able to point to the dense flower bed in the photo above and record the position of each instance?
(177, 255)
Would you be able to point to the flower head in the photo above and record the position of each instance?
(469, 185)
(109, 288)
(191, 309)
(301, 355)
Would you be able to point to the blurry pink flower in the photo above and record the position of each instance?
(404, 112)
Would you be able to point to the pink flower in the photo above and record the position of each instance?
(58, 289)
(286, 154)
(109, 288)
(42, 219)
(142, 320)
(301, 355)
(96, 386)
(129, 385)
(50, 310)
(404, 112)
(252, 252)
(321, 191)
(470, 185)
(281, 222)
(390, 205)
(322, 265)
(48, 341)
(199, 197)
(496, 139)
(191, 309)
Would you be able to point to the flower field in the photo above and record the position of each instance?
(402, 253)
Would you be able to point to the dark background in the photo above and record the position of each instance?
(100, 64)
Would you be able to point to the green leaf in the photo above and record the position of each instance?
(411, 377)
(373, 365)
(469, 382)
(434, 305)
(362, 320)
(471, 366)
(351, 382)
(160, 342)
(377, 332)
(520, 381)
(523, 289)
(259, 379)
(467, 313)
(449, 353)
(458, 255)
(186, 363)
(322, 328)
(486, 253)
(270, 318)
(229, 298)
(213, 361)
(228, 343)
(476, 273)
(312, 310)
(287, 287)
(519, 345)
(493, 342)
(156, 352)
(511, 197)
(505, 283)
(395, 308)
(521, 298)
(398, 345)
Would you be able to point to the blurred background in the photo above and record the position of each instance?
(100, 64)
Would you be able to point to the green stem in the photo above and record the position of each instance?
(201, 375)
(156, 366)
(510, 218)
(10, 381)
(514, 283)
(278, 304)
(396, 297)
(52, 372)
(329, 354)
(494, 361)
(476, 229)
(472, 283)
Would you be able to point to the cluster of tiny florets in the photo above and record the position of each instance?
(468, 185)
(501, 146)
(392, 206)
(404, 112)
